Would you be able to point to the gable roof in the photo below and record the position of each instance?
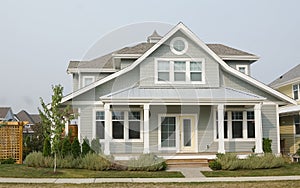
(193, 37)
(31, 118)
(4, 111)
(105, 62)
(287, 78)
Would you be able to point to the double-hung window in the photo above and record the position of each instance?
(180, 71)
(134, 125)
(117, 125)
(87, 80)
(237, 124)
(250, 124)
(100, 125)
(296, 88)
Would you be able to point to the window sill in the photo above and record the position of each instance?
(179, 83)
(125, 140)
(238, 140)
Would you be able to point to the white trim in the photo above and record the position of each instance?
(94, 133)
(288, 82)
(90, 70)
(78, 125)
(87, 77)
(124, 56)
(189, 33)
(243, 66)
(146, 126)
(289, 109)
(278, 129)
(174, 50)
(298, 90)
(239, 57)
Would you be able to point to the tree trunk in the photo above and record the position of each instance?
(54, 163)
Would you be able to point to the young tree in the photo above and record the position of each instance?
(66, 147)
(54, 118)
(75, 148)
(85, 147)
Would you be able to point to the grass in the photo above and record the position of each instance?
(23, 171)
(287, 170)
(273, 184)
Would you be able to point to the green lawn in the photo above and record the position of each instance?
(287, 170)
(22, 171)
(273, 184)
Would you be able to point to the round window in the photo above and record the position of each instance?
(178, 45)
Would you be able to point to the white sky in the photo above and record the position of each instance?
(39, 38)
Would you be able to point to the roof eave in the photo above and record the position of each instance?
(238, 57)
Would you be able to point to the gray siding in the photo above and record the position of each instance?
(126, 62)
(86, 122)
(75, 81)
(233, 146)
(231, 81)
(234, 65)
(147, 70)
(126, 147)
(269, 124)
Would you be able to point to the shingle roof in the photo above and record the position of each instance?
(4, 111)
(292, 74)
(31, 118)
(106, 60)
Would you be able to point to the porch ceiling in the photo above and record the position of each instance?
(181, 95)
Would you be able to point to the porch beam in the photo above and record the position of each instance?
(107, 138)
(258, 128)
(146, 128)
(221, 148)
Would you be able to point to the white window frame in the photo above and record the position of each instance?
(229, 126)
(297, 135)
(298, 89)
(126, 127)
(174, 50)
(243, 66)
(87, 77)
(101, 109)
(187, 71)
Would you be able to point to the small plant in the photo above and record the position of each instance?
(35, 159)
(85, 147)
(147, 162)
(75, 148)
(267, 143)
(47, 147)
(215, 165)
(96, 146)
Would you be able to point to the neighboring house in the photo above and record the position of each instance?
(174, 95)
(6, 114)
(289, 84)
(32, 119)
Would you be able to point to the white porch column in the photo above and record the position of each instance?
(221, 148)
(258, 128)
(107, 116)
(146, 128)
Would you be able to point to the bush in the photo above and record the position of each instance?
(85, 147)
(75, 148)
(69, 162)
(47, 147)
(94, 161)
(35, 159)
(215, 165)
(66, 147)
(96, 146)
(230, 161)
(267, 143)
(7, 161)
(147, 162)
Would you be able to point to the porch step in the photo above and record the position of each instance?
(187, 163)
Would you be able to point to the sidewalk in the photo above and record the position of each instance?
(145, 180)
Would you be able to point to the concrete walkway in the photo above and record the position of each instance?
(145, 180)
(191, 172)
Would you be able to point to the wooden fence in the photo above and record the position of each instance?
(11, 140)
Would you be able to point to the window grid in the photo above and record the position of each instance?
(134, 125)
(168, 132)
(296, 91)
(297, 124)
(100, 124)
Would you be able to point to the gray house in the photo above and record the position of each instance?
(6, 114)
(174, 96)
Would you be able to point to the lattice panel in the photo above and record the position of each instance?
(11, 141)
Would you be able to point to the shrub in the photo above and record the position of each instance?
(66, 147)
(94, 161)
(267, 143)
(230, 161)
(35, 159)
(47, 147)
(147, 162)
(7, 161)
(75, 148)
(69, 162)
(96, 146)
(215, 165)
(85, 147)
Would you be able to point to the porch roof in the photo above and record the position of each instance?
(295, 109)
(182, 95)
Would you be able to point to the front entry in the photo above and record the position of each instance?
(187, 133)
